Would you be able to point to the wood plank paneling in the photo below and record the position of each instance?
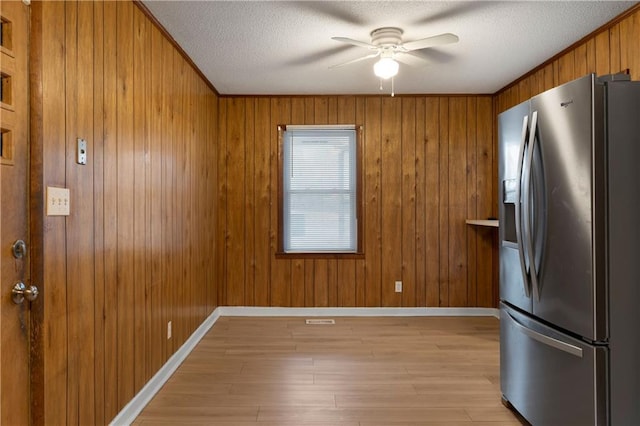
(391, 199)
(54, 241)
(83, 241)
(76, 222)
(137, 249)
(444, 204)
(221, 202)
(110, 220)
(209, 196)
(235, 242)
(472, 199)
(155, 166)
(457, 206)
(262, 218)
(603, 53)
(591, 55)
(168, 198)
(420, 203)
(611, 49)
(124, 201)
(249, 202)
(580, 60)
(432, 202)
(280, 268)
(422, 160)
(372, 201)
(408, 200)
(177, 209)
(98, 218)
(179, 331)
(623, 28)
(566, 71)
(486, 177)
(141, 136)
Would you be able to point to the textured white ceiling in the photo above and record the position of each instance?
(285, 47)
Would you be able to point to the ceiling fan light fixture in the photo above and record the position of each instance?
(386, 43)
(386, 68)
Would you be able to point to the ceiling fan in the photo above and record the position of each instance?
(386, 43)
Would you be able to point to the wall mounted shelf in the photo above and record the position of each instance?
(483, 222)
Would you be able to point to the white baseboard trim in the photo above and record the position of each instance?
(251, 311)
(129, 413)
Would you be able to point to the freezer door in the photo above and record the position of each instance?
(551, 378)
(566, 152)
(513, 126)
(624, 234)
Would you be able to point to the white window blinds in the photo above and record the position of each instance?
(319, 190)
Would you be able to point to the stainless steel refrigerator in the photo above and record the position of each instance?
(569, 179)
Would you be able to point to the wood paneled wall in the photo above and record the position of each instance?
(176, 211)
(428, 165)
(612, 49)
(137, 250)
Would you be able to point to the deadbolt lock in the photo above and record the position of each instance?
(19, 249)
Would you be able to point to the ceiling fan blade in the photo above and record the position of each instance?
(332, 10)
(452, 12)
(409, 58)
(353, 61)
(318, 55)
(438, 40)
(355, 42)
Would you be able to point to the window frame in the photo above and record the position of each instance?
(359, 253)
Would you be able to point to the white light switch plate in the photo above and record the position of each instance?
(58, 201)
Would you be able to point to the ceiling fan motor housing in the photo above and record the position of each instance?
(386, 36)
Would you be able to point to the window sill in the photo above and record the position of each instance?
(282, 255)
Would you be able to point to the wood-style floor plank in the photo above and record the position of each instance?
(360, 371)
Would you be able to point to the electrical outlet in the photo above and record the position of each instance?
(58, 201)
(169, 330)
(398, 286)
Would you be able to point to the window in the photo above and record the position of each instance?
(319, 189)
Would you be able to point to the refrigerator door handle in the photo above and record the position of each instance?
(546, 340)
(518, 208)
(528, 229)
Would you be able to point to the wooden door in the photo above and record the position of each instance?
(15, 318)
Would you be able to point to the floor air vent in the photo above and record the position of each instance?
(320, 321)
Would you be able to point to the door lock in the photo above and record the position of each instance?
(21, 291)
(19, 249)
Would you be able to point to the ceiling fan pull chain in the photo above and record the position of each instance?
(392, 88)
(381, 85)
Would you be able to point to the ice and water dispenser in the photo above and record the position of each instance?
(508, 225)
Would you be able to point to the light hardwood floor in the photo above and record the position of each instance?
(359, 372)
